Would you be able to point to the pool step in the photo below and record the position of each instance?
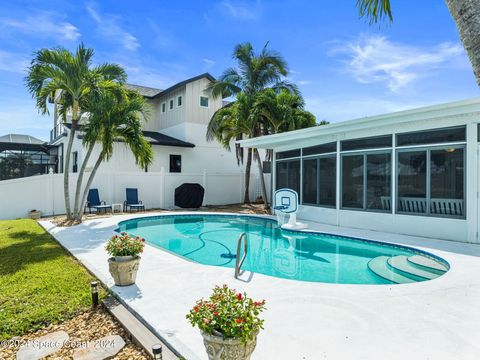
(429, 264)
(402, 264)
(379, 266)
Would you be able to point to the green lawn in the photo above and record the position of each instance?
(40, 283)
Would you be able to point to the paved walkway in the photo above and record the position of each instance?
(437, 319)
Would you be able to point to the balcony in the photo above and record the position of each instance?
(57, 131)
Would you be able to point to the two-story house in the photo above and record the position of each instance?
(177, 125)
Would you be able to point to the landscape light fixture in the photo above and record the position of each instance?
(157, 352)
(94, 286)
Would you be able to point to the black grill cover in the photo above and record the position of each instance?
(189, 196)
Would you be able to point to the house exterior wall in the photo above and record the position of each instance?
(440, 227)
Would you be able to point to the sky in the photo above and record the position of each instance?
(344, 67)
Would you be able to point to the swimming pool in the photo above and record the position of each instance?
(305, 256)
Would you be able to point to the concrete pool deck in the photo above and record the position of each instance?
(437, 319)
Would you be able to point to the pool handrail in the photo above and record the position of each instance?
(238, 262)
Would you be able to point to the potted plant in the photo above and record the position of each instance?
(229, 323)
(124, 251)
(34, 214)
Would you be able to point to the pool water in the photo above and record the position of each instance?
(212, 240)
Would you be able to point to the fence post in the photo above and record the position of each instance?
(204, 184)
(51, 186)
(242, 185)
(162, 187)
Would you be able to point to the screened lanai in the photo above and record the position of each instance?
(25, 155)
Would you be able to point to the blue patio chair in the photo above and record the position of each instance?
(93, 202)
(132, 202)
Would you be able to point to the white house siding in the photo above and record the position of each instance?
(194, 112)
(456, 114)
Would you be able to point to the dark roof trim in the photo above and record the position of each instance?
(184, 82)
(156, 138)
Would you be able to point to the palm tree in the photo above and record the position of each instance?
(57, 70)
(465, 13)
(282, 111)
(115, 117)
(231, 123)
(255, 73)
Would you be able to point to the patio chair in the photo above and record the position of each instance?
(132, 202)
(93, 202)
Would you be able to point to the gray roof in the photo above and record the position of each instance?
(151, 93)
(145, 91)
(21, 139)
(184, 82)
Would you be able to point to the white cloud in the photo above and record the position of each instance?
(208, 62)
(343, 108)
(109, 27)
(372, 59)
(241, 10)
(13, 62)
(43, 24)
(304, 82)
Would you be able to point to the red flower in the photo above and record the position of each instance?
(238, 321)
(196, 309)
(239, 296)
(215, 313)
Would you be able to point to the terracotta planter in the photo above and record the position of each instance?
(124, 272)
(219, 348)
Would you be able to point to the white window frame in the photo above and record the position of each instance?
(176, 103)
(161, 107)
(200, 101)
(172, 100)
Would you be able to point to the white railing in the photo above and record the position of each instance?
(414, 205)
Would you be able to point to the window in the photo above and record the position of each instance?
(454, 134)
(75, 161)
(267, 167)
(327, 181)
(179, 101)
(352, 181)
(287, 154)
(412, 182)
(366, 181)
(164, 107)
(319, 181)
(367, 143)
(288, 175)
(432, 182)
(175, 163)
(170, 104)
(203, 101)
(320, 149)
(379, 180)
(447, 182)
(310, 181)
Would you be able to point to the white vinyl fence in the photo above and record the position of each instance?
(155, 189)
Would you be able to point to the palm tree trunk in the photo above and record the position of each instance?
(66, 171)
(466, 14)
(87, 186)
(246, 196)
(76, 209)
(262, 179)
